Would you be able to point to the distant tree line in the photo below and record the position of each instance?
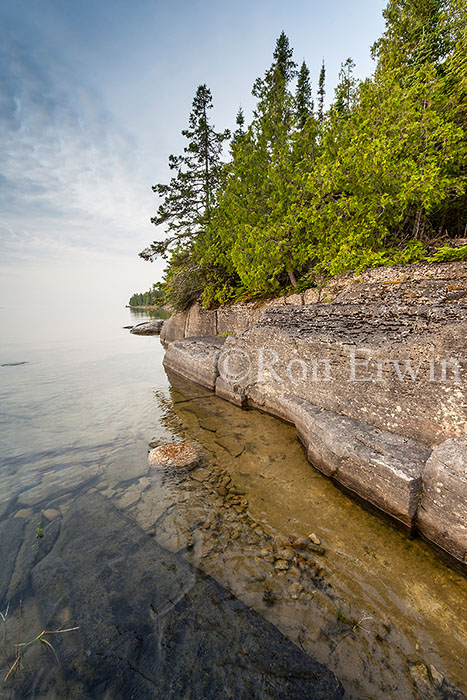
(378, 178)
(152, 297)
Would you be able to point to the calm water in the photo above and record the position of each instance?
(81, 517)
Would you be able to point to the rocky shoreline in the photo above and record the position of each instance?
(370, 370)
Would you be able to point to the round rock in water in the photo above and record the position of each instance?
(175, 455)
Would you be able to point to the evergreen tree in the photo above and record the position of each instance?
(303, 100)
(283, 62)
(321, 92)
(259, 187)
(274, 105)
(239, 131)
(345, 90)
(190, 196)
(415, 34)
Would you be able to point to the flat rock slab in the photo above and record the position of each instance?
(148, 327)
(57, 482)
(442, 516)
(20, 549)
(196, 359)
(11, 538)
(152, 626)
(380, 467)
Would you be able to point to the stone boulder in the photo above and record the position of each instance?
(56, 482)
(148, 327)
(174, 455)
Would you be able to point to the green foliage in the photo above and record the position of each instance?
(321, 92)
(39, 531)
(303, 99)
(448, 254)
(152, 297)
(345, 91)
(415, 35)
(373, 181)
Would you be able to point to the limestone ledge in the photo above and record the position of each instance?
(411, 284)
(196, 359)
(421, 488)
(398, 368)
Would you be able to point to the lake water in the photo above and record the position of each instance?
(109, 558)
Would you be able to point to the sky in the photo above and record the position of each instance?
(93, 97)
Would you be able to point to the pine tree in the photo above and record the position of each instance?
(321, 92)
(303, 100)
(189, 198)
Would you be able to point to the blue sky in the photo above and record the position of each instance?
(93, 97)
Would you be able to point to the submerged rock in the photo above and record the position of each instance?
(294, 590)
(24, 513)
(150, 625)
(11, 537)
(281, 565)
(128, 498)
(144, 483)
(51, 513)
(175, 455)
(13, 364)
(56, 482)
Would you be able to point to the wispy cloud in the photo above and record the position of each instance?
(68, 174)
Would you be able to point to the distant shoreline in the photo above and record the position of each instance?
(160, 307)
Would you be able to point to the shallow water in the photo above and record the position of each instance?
(377, 608)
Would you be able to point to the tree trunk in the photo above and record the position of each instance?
(292, 278)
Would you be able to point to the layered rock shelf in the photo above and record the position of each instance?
(372, 375)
